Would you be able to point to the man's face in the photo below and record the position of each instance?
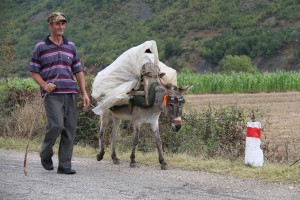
(58, 28)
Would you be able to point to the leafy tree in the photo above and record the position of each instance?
(242, 63)
(172, 48)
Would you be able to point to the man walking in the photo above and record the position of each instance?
(53, 65)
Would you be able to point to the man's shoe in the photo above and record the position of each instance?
(66, 171)
(47, 164)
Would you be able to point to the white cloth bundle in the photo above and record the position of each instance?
(111, 85)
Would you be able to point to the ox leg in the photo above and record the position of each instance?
(115, 129)
(136, 132)
(104, 119)
(155, 129)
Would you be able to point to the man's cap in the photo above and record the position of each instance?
(56, 17)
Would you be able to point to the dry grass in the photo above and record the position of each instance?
(21, 119)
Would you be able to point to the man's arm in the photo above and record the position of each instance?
(81, 82)
(48, 87)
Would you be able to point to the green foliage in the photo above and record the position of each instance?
(172, 48)
(87, 127)
(7, 52)
(102, 30)
(290, 10)
(87, 121)
(251, 42)
(15, 92)
(237, 64)
(240, 82)
(215, 132)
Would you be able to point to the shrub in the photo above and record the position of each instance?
(87, 121)
(237, 64)
(210, 133)
(172, 48)
(15, 92)
(18, 100)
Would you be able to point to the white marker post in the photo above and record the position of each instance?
(253, 153)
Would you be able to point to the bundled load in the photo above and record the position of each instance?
(112, 85)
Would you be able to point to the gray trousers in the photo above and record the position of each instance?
(61, 111)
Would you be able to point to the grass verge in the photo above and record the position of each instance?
(272, 173)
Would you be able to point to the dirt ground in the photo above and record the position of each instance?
(280, 124)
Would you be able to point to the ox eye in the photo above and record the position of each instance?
(181, 99)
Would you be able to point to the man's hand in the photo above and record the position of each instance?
(49, 87)
(86, 100)
(81, 83)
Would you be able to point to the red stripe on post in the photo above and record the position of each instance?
(253, 132)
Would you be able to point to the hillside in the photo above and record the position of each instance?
(194, 34)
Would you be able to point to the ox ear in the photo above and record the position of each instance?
(185, 88)
(159, 95)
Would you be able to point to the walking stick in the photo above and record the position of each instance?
(31, 129)
(294, 162)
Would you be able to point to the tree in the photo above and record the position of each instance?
(237, 64)
(7, 51)
(172, 48)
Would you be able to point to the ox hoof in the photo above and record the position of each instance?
(134, 165)
(116, 161)
(99, 157)
(164, 167)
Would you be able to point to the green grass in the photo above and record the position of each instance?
(279, 81)
(18, 83)
(273, 173)
(240, 82)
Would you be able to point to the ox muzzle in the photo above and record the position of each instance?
(176, 124)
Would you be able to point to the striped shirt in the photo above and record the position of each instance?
(51, 61)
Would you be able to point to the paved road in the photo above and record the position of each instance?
(103, 180)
